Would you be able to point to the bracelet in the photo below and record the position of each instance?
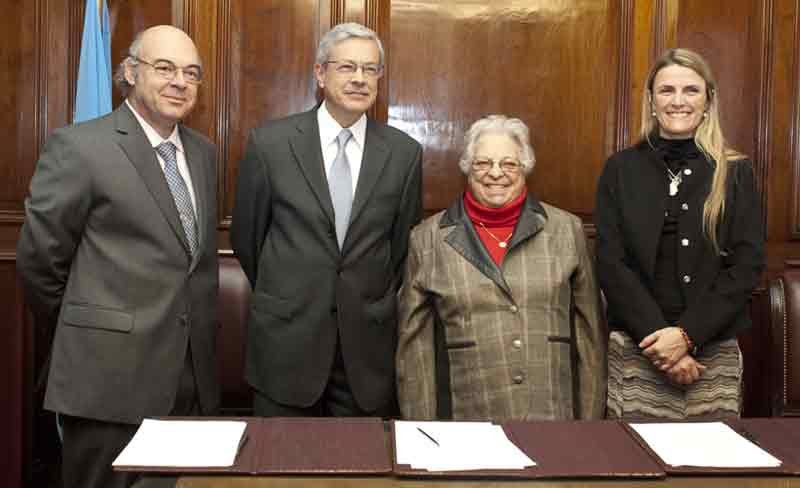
(689, 342)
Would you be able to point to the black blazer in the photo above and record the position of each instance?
(306, 292)
(631, 203)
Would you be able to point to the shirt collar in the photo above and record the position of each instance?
(152, 135)
(329, 128)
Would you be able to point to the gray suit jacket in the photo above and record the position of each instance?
(305, 290)
(103, 250)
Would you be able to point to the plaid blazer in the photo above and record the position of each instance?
(521, 341)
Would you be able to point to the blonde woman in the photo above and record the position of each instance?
(679, 250)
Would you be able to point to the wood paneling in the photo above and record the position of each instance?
(260, 56)
(127, 18)
(555, 65)
(16, 375)
(573, 70)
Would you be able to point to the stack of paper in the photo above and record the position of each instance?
(456, 446)
(183, 444)
(707, 444)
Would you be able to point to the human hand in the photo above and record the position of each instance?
(664, 347)
(686, 371)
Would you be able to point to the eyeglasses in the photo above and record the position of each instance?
(370, 70)
(507, 166)
(168, 70)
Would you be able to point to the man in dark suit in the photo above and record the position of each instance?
(324, 205)
(119, 246)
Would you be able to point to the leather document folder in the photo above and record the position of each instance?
(562, 449)
(780, 437)
(303, 445)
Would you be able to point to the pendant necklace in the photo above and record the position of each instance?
(674, 181)
(502, 243)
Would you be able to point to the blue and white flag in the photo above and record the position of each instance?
(93, 97)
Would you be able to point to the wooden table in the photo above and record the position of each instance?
(389, 482)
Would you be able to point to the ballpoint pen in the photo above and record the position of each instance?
(428, 436)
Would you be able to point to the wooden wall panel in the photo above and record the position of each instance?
(573, 70)
(261, 55)
(20, 117)
(127, 17)
(553, 64)
(15, 381)
(730, 39)
(783, 177)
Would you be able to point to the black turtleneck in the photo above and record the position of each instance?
(675, 154)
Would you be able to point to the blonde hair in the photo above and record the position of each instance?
(708, 135)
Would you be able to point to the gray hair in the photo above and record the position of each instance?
(129, 60)
(512, 127)
(342, 32)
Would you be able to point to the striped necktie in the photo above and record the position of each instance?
(180, 193)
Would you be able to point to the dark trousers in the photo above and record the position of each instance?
(90, 446)
(337, 399)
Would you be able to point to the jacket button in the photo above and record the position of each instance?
(687, 279)
(334, 310)
(687, 171)
(513, 309)
(183, 320)
(517, 343)
(684, 206)
(518, 378)
(684, 242)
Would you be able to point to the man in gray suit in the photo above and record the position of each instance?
(324, 205)
(119, 246)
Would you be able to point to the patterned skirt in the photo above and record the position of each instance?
(637, 390)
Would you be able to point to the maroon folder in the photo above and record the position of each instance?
(590, 449)
(778, 436)
(302, 445)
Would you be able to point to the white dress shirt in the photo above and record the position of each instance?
(329, 130)
(155, 139)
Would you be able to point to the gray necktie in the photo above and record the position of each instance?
(180, 192)
(340, 182)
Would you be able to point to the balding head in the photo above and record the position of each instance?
(161, 75)
(145, 40)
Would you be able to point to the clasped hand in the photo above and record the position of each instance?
(667, 350)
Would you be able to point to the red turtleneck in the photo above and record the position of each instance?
(494, 225)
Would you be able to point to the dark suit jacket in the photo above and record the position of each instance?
(631, 201)
(306, 290)
(103, 249)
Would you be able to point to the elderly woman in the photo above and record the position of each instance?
(498, 313)
(679, 250)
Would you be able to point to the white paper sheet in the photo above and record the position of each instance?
(183, 444)
(458, 446)
(707, 444)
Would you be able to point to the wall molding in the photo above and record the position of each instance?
(222, 114)
(665, 27)
(622, 105)
(763, 147)
(794, 129)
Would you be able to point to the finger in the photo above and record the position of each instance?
(649, 340)
(650, 353)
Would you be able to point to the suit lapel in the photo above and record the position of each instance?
(466, 242)
(195, 160)
(376, 154)
(531, 221)
(134, 143)
(308, 153)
